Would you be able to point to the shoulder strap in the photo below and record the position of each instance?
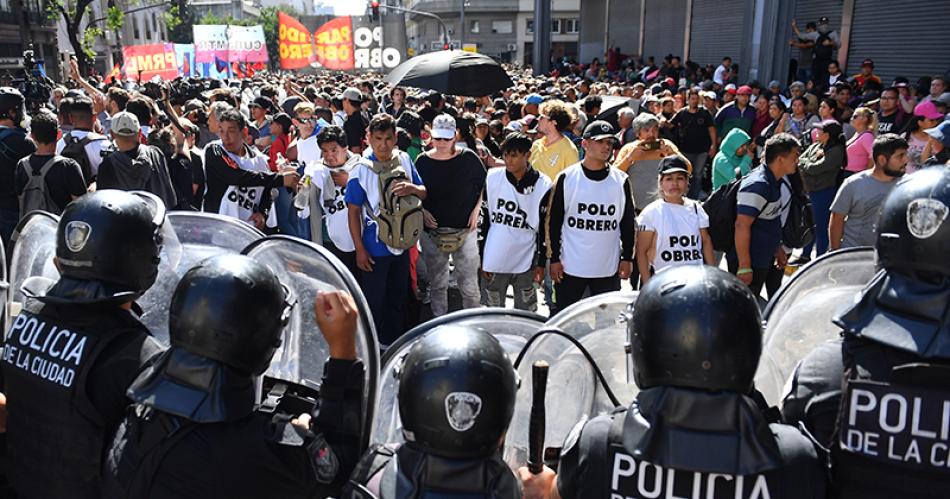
(155, 436)
(46, 166)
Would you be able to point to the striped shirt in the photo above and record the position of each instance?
(760, 196)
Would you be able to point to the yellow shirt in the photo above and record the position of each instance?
(552, 160)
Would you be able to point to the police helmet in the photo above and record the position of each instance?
(232, 309)
(11, 99)
(695, 326)
(457, 393)
(913, 231)
(112, 237)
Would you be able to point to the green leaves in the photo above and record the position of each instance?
(114, 18)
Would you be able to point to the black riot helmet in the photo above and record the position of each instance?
(457, 393)
(913, 232)
(114, 238)
(695, 326)
(232, 309)
(11, 100)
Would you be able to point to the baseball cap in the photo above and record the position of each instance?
(353, 94)
(534, 99)
(940, 132)
(673, 164)
(530, 122)
(599, 130)
(709, 94)
(774, 84)
(944, 99)
(481, 121)
(731, 88)
(927, 109)
(443, 127)
(125, 124)
(284, 120)
(744, 90)
(824, 20)
(868, 62)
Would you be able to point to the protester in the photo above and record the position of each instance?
(552, 153)
(45, 180)
(736, 114)
(590, 223)
(696, 139)
(820, 166)
(673, 230)
(135, 166)
(454, 181)
(860, 156)
(919, 146)
(891, 117)
(640, 159)
(857, 205)
(734, 159)
(758, 233)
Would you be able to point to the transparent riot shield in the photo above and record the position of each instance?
(4, 288)
(574, 390)
(306, 268)
(799, 317)
(189, 237)
(33, 248)
(512, 328)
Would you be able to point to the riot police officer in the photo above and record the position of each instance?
(73, 350)
(693, 430)
(456, 399)
(879, 396)
(14, 145)
(195, 431)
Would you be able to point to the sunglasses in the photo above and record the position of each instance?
(440, 139)
(306, 120)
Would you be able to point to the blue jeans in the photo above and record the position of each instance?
(698, 161)
(821, 210)
(386, 289)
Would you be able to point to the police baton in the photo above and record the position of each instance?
(539, 383)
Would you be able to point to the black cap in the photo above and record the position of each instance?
(673, 164)
(262, 102)
(284, 120)
(824, 20)
(598, 130)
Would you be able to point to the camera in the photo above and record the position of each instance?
(36, 88)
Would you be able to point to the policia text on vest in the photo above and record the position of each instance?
(44, 350)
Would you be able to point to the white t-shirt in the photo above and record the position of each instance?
(334, 208)
(590, 237)
(93, 148)
(515, 219)
(717, 76)
(678, 239)
(240, 202)
(308, 152)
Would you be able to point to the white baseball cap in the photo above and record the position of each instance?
(125, 124)
(443, 127)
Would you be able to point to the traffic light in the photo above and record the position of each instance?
(445, 46)
(374, 5)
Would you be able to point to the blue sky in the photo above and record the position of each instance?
(345, 7)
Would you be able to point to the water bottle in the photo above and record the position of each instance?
(302, 199)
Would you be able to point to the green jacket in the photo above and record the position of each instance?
(726, 163)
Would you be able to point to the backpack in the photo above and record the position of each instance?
(823, 52)
(799, 228)
(400, 222)
(721, 209)
(35, 195)
(75, 150)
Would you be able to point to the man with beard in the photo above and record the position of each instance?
(855, 209)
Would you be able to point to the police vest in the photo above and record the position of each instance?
(399, 472)
(893, 432)
(590, 236)
(55, 433)
(515, 220)
(612, 471)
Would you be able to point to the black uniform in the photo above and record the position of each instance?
(882, 404)
(159, 455)
(66, 367)
(675, 442)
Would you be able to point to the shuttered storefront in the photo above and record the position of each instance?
(910, 40)
(664, 28)
(716, 30)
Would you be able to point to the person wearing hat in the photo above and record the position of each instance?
(591, 223)
(531, 104)
(260, 109)
(805, 43)
(673, 230)
(553, 152)
(135, 166)
(736, 114)
(355, 124)
(939, 144)
(826, 43)
(866, 75)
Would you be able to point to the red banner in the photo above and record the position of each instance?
(334, 44)
(293, 42)
(144, 62)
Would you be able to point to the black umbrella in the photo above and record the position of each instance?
(453, 72)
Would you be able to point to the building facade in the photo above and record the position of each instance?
(24, 23)
(904, 39)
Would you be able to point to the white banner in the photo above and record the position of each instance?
(246, 44)
(211, 40)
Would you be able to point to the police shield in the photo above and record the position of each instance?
(799, 317)
(306, 268)
(512, 328)
(4, 288)
(189, 237)
(574, 388)
(33, 246)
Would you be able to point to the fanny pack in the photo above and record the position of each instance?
(449, 240)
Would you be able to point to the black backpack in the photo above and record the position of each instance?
(35, 195)
(721, 209)
(799, 228)
(823, 52)
(75, 150)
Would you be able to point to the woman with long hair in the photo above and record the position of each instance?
(860, 157)
(819, 166)
(919, 146)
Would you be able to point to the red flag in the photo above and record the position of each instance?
(294, 43)
(334, 44)
(116, 71)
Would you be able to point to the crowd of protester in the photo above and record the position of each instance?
(553, 187)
